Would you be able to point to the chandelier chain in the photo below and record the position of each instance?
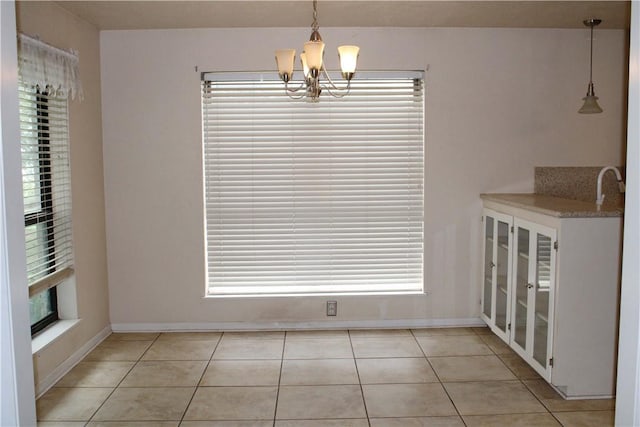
(314, 25)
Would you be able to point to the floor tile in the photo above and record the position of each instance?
(145, 404)
(180, 350)
(451, 421)
(190, 336)
(379, 333)
(395, 371)
(60, 424)
(318, 348)
(407, 400)
(492, 398)
(586, 418)
(511, 420)
(323, 423)
(364, 347)
(519, 367)
(555, 403)
(470, 368)
(165, 373)
(435, 332)
(133, 336)
(133, 424)
(253, 423)
(242, 373)
(496, 344)
(233, 403)
(252, 335)
(481, 330)
(118, 351)
(447, 345)
(295, 335)
(319, 372)
(70, 404)
(95, 374)
(320, 402)
(251, 348)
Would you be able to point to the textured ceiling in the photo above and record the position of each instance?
(117, 15)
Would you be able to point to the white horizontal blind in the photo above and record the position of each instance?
(313, 197)
(44, 140)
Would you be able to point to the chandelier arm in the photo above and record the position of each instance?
(336, 92)
(333, 85)
(298, 97)
(288, 90)
(332, 88)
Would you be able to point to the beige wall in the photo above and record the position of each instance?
(59, 28)
(498, 103)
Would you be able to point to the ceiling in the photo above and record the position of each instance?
(120, 15)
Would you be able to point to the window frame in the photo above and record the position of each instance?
(45, 214)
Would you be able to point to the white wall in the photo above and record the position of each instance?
(56, 26)
(498, 103)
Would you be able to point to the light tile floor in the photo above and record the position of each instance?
(376, 378)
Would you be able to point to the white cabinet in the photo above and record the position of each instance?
(550, 287)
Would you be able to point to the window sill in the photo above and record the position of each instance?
(51, 334)
(313, 294)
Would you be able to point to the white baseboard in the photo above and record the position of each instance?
(70, 362)
(271, 326)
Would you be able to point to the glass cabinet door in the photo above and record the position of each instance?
(502, 275)
(541, 296)
(496, 276)
(488, 267)
(534, 276)
(520, 306)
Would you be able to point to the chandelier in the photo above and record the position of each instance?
(313, 66)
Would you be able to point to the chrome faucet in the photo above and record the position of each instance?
(599, 195)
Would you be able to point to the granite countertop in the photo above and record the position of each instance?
(554, 206)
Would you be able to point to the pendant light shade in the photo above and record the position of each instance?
(284, 60)
(591, 100)
(590, 104)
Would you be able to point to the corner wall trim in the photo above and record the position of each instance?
(270, 326)
(70, 362)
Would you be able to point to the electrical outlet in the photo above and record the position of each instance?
(332, 308)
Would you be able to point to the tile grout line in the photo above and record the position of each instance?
(355, 362)
(125, 375)
(438, 377)
(275, 410)
(195, 390)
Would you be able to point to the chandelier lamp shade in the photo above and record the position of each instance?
(591, 100)
(313, 66)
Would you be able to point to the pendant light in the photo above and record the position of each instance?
(591, 100)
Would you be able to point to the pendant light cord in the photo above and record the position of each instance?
(591, 58)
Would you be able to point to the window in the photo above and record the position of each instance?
(47, 199)
(313, 198)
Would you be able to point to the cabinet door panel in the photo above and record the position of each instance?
(521, 303)
(542, 289)
(502, 275)
(488, 267)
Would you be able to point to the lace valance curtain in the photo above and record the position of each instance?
(44, 66)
